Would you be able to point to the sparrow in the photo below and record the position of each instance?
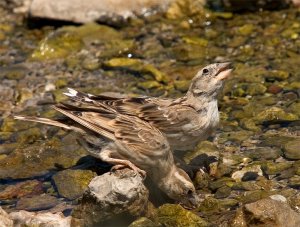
(184, 121)
(126, 141)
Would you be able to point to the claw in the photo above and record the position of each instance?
(131, 166)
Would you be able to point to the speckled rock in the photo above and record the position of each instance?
(175, 215)
(71, 184)
(25, 218)
(292, 149)
(111, 196)
(269, 212)
(5, 220)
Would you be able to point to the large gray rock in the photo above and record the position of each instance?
(5, 221)
(112, 195)
(93, 10)
(270, 212)
(25, 218)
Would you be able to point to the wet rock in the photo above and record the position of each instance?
(112, 196)
(25, 218)
(223, 192)
(269, 212)
(138, 66)
(175, 215)
(236, 136)
(58, 44)
(71, 184)
(274, 89)
(204, 147)
(143, 222)
(41, 158)
(294, 182)
(26, 188)
(274, 114)
(295, 108)
(5, 220)
(263, 153)
(246, 5)
(291, 149)
(35, 203)
(107, 11)
(242, 174)
(272, 168)
(253, 196)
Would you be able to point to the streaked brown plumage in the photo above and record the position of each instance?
(126, 141)
(185, 121)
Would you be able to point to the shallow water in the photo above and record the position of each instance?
(260, 108)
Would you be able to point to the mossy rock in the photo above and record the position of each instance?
(58, 44)
(71, 184)
(274, 114)
(170, 215)
(138, 66)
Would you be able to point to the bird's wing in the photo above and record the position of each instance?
(167, 115)
(132, 132)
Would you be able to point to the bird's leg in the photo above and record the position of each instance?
(105, 156)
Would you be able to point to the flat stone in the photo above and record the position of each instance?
(35, 203)
(26, 188)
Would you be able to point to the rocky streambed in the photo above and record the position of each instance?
(251, 166)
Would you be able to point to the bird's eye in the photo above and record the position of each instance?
(190, 192)
(205, 71)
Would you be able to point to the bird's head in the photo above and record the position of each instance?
(178, 186)
(209, 80)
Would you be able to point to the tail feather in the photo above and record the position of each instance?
(43, 120)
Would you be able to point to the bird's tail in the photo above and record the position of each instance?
(43, 120)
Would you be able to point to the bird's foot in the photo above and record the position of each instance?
(131, 166)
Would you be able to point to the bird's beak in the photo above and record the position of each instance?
(224, 70)
(191, 202)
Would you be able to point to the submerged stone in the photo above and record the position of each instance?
(291, 149)
(40, 158)
(170, 215)
(138, 66)
(26, 188)
(35, 203)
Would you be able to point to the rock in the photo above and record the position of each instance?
(271, 168)
(175, 215)
(143, 222)
(269, 212)
(240, 174)
(25, 218)
(247, 5)
(294, 182)
(26, 188)
(263, 153)
(40, 158)
(5, 220)
(79, 12)
(274, 114)
(35, 203)
(111, 196)
(291, 149)
(71, 184)
(137, 66)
